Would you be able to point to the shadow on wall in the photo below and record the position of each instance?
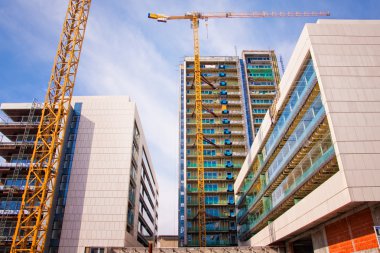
(76, 193)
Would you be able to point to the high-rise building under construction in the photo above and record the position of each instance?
(260, 78)
(229, 87)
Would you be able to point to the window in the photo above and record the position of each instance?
(208, 121)
(262, 101)
(208, 163)
(209, 200)
(211, 187)
(210, 152)
(94, 250)
(260, 111)
(207, 101)
(209, 131)
(210, 175)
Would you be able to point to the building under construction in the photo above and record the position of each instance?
(225, 147)
(260, 78)
(106, 193)
(229, 87)
(18, 128)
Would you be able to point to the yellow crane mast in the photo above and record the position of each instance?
(194, 17)
(35, 210)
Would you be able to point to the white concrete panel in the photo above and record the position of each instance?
(97, 198)
(346, 56)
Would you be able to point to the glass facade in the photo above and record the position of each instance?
(298, 151)
(64, 179)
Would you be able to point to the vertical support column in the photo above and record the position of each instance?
(199, 135)
(319, 241)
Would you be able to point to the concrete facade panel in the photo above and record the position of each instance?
(347, 63)
(97, 199)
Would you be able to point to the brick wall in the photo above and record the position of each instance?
(353, 233)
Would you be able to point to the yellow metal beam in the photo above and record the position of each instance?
(34, 214)
(199, 136)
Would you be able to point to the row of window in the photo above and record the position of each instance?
(263, 92)
(262, 101)
(262, 83)
(208, 121)
(213, 175)
(207, 101)
(208, 130)
(260, 110)
(261, 74)
(258, 58)
(259, 66)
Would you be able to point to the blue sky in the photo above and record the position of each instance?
(125, 53)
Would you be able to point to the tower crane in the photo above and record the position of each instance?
(34, 215)
(194, 18)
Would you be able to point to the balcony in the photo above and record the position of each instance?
(15, 184)
(11, 141)
(217, 203)
(209, 229)
(314, 167)
(315, 159)
(296, 100)
(10, 207)
(19, 121)
(305, 127)
(224, 132)
(217, 178)
(260, 93)
(217, 190)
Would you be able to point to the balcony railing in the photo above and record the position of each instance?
(299, 95)
(316, 158)
(219, 202)
(9, 183)
(218, 165)
(19, 120)
(305, 127)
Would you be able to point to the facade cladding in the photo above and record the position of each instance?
(107, 192)
(224, 152)
(309, 181)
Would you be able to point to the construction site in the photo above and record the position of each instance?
(271, 158)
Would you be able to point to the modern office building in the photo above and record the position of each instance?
(260, 78)
(106, 193)
(310, 181)
(224, 151)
